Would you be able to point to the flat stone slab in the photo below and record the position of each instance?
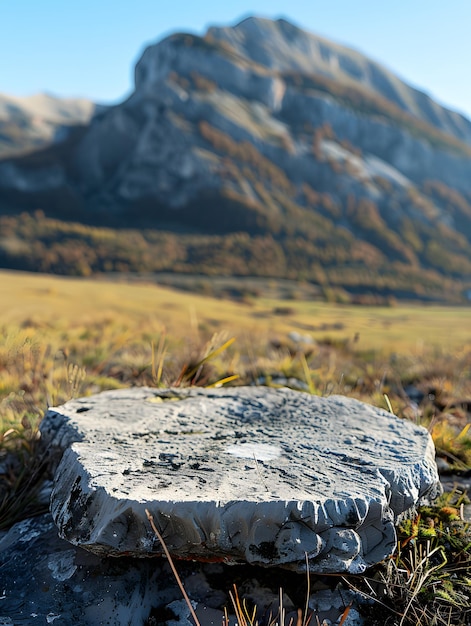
(243, 474)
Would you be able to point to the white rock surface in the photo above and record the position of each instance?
(246, 474)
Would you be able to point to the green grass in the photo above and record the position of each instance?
(62, 338)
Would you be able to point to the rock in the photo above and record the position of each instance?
(246, 474)
(46, 580)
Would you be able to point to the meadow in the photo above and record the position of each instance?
(65, 337)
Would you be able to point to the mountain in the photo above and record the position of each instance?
(32, 122)
(262, 149)
(283, 47)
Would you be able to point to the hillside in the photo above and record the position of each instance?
(32, 122)
(258, 149)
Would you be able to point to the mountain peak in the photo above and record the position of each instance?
(281, 46)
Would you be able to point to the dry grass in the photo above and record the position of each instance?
(427, 581)
(68, 303)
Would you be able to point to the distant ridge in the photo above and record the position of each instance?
(31, 122)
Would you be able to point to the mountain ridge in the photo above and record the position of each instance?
(342, 62)
(222, 138)
(29, 123)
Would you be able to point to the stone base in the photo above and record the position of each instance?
(245, 474)
(46, 580)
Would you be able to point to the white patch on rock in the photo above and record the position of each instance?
(259, 451)
(62, 565)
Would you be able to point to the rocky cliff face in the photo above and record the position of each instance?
(283, 47)
(265, 128)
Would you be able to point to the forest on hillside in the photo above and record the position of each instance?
(346, 269)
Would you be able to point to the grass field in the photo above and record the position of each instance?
(109, 333)
(66, 304)
(64, 337)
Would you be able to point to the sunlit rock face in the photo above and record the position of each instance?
(247, 474)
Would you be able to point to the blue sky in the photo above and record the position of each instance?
(89, 47)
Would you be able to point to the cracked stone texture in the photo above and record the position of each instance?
(244, 474)
(46, 580)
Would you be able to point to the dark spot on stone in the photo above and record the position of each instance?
(126, 472)
(75, 492)
(285, 474)
(166, 456)
(147, 463)
(168, 459)
(266, 550)
(351, 518)
(201, 468)
(83, 409)
(161, 615)
(76, 506)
